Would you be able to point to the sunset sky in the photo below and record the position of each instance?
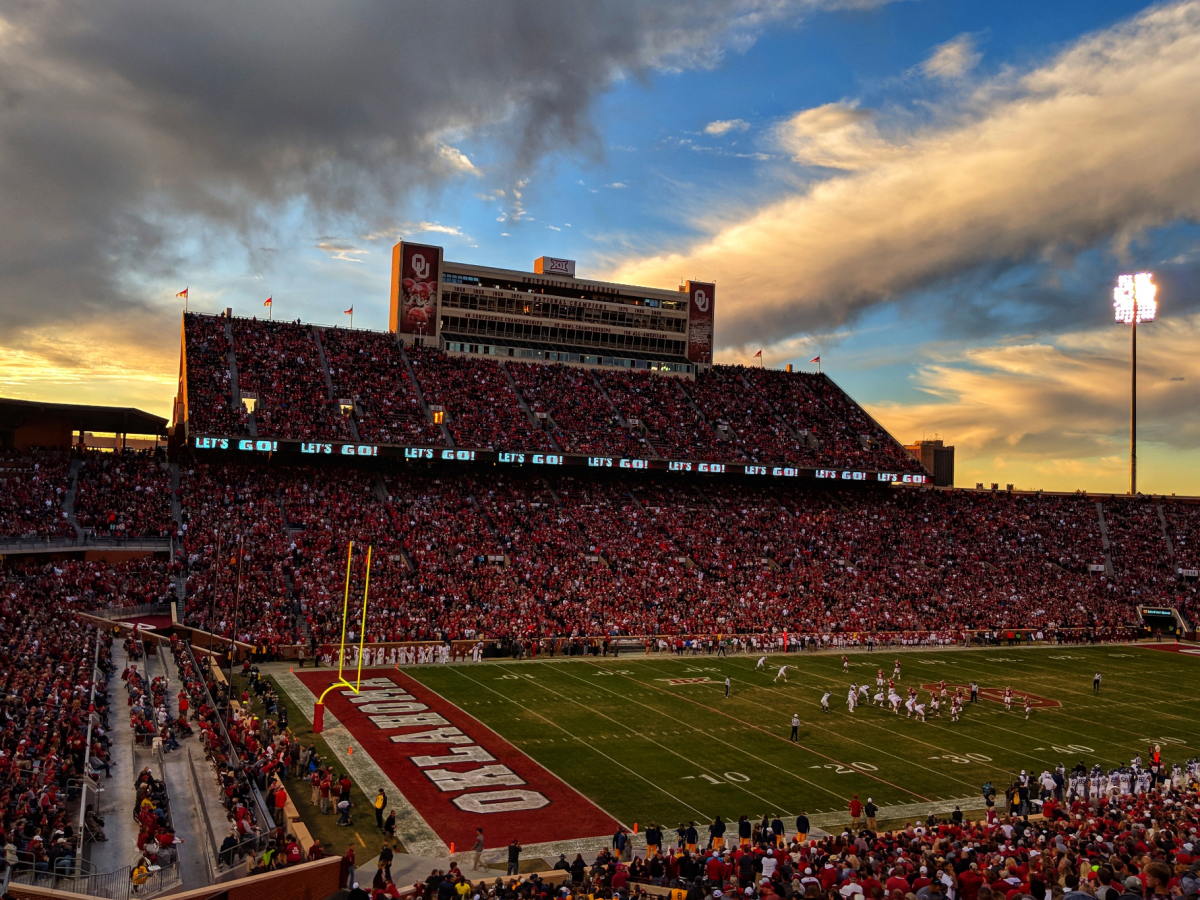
(936, 196)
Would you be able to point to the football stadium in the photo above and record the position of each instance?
(526, 450)
(527, 584)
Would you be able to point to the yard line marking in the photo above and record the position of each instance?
(592, 747)
(727, 744)
(874, 749)
(779, 737)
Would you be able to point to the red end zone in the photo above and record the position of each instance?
(458, 773)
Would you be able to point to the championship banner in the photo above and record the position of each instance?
(416, 283)
(701, 297)
(454, 770)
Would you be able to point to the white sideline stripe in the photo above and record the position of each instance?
(903, 811)
(414, 832)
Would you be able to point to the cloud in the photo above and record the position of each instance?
(835, 135)
(1092, 148)
(724, 126)
(617, 184)
(140, 137)
(341, 250)
(953, 59)
(1058, 408)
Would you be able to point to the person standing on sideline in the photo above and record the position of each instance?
(726, 687)
(1096, 683)
(855, 812)
(802, 827)
(514, 856)
(380, 806)
(795, 728)
(477, 850)
(385, 860)
(871, 809)
(716, 834)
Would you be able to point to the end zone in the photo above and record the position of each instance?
(456, 772)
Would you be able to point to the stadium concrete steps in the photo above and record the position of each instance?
(526, 408)
(316, 333)
(1162, 523)
(412, 373)
(69, 498)
(1104, 541)
(231, 361)
(700, 417)
(553, 494)
(625, 423)
(116, 804)
(778, 417)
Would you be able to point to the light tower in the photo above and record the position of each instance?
(1133, 302)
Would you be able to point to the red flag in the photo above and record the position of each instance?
(267, 302)
(758, 354)
(815, 359)
(348, 312)
(183, 294)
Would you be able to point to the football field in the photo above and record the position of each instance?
(653, 738)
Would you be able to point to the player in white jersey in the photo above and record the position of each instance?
(762, 663)
(909, 704)
(851, 699)
(894, 700)
(862, 690)
(782, 673)
(919, 709)
(825, 701)
(877, 700)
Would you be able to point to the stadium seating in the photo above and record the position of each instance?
(366, 367)
(280, 364)
(481, 408)
(124, 495)
(32, 490)
(209, 388)
(580, 418)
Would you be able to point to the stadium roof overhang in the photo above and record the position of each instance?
(15, 414)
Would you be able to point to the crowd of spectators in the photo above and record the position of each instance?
(513, 554)
(124, 495)
(658, 405)
(46, 684)
(279, 363)
(210, 399)
(579, 416)
(32, 490)
(1137, 539)
(366, 367)
(480, 406)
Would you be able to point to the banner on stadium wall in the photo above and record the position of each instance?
(416, 287)
(701, 297)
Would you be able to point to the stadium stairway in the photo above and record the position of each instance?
(774, 412)
(231, 359)
(69, 498)
(412, 373)
(525, 407)
(350, 420)
(639, 429)
(1162, 523)
(1104, 541)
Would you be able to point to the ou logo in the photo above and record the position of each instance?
(701, 300)
(420, 266)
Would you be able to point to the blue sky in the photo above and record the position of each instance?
(648, 184)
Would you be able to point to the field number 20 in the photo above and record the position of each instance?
(855, 767)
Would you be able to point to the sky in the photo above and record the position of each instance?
(935, 196)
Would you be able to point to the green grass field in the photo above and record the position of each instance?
(645, 749)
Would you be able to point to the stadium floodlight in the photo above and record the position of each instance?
(1133, 298)
(1134, 301)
